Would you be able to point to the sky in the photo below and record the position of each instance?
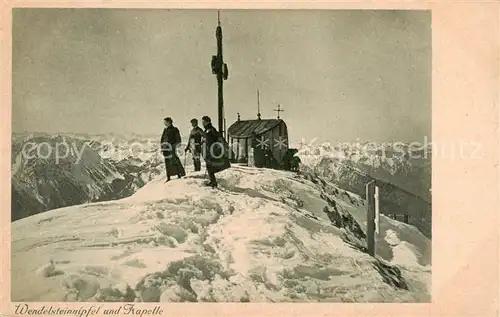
(339, 75)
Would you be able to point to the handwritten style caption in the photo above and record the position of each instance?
(93, 310)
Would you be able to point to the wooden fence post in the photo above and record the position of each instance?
(370, 219)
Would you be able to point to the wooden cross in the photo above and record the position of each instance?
(278, 111)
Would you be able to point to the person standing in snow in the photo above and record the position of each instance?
(215, 151)
(194, 144)
(170, 140)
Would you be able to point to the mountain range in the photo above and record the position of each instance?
(108, 167)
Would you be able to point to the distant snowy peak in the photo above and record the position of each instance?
(407, 167)
(63, 153)
(57, 170)
(392, 158)
(50, 172)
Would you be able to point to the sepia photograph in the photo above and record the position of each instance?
(204, 155)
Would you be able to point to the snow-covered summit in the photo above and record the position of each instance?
(264, 236)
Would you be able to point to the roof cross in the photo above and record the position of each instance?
(279, 110)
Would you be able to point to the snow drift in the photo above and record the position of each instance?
(265, 236)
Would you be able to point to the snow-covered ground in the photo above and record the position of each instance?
(265, 235)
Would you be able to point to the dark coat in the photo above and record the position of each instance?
(215, 151)
(194, 142)
(170, 140)
(288, 158)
